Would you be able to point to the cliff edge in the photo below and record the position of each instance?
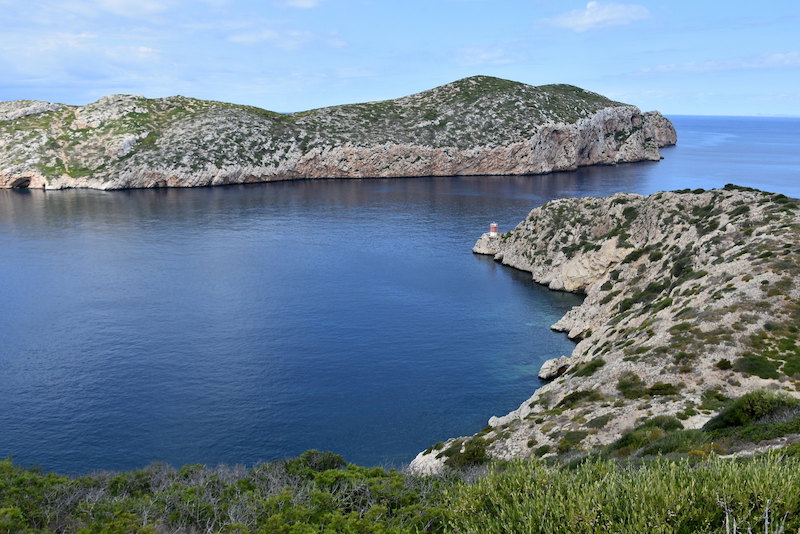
(475, 126)
(692, 298)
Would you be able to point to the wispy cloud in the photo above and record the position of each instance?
(135, 9)
(600, 15)
(764, 61)
(132, 8)
(286, 39)
(478, 55)
(306, 4)
(255, 37)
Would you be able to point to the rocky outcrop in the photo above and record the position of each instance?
(19, 109)
(554, 367)
(475, 126)
(691, 297)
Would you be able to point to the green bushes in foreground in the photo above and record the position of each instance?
(663, 496)
(302, 496)
(624, 488)
(314, 493)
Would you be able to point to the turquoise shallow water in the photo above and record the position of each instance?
(250, 323)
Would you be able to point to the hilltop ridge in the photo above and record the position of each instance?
(474, 126)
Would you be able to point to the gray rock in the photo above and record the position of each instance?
(475, 126)
(675, 283)
(554, 367)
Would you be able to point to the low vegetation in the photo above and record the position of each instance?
(742, 424)
(122, 134)
(319, 493)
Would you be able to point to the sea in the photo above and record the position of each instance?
(243, 324)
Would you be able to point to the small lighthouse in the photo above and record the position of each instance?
(493, 230)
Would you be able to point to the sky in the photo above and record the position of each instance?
(699, 57)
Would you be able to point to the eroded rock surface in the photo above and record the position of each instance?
(554, 367)
(689, 296)
(476, 126)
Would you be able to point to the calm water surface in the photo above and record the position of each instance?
(251, 323)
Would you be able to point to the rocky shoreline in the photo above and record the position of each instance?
(691, 299)
(476, 126)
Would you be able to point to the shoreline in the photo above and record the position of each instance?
(268, 179)
(672, 283)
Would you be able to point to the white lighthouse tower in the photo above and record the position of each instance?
(493, 230)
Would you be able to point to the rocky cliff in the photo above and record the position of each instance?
(692, 298)
(475, 126)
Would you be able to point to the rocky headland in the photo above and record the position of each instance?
(692, 299)
(475, 126)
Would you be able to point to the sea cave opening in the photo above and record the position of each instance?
(21, 183)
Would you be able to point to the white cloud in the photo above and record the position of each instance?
(286, 40)
(254, 37)
(354, 72)
(95, 8)
(133, 53)
(600, 15)
(764, 61)
(50, 42)
(477, 56)
(132, 8)
(302, 3)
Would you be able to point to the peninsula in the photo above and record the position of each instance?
(692, 300)
(475, 126)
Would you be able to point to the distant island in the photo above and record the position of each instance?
(692, 300)
(475, 126)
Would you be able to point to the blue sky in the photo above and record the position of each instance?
(680, 57)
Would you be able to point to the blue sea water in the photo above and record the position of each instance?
(248, 323)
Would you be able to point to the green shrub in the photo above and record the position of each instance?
(12, 520)
(630, 213)
(589, 368)
(313, 461)
(664, 422)
(650, 431)
(783, 424)
(134, 483)
(713, 400)
(724, 364)
(662, 388)
(570, 439)
(634, 255)
(753, 364)
(660, 496)
(750, 408)
(634, 440)
(599, 421)
(631, 386)
(473, 453)
(577, 397)
(195, 498)
(677, 442)
(740, 210)
(626, 304)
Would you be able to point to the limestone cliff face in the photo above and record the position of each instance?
(689, 295)
(475, 126)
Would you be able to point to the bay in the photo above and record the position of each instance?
(249, 323)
